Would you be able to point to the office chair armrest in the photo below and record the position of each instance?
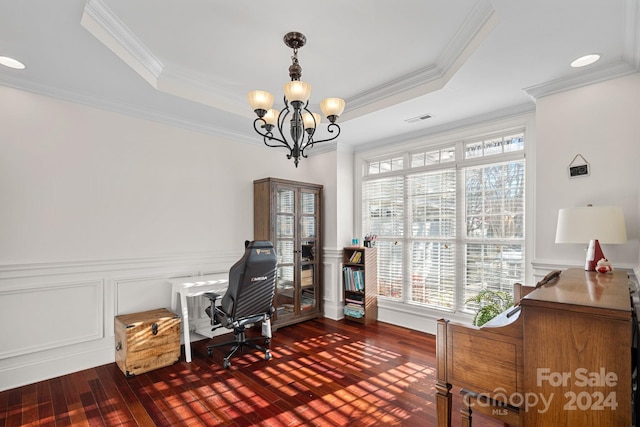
(211, 310)
(212, 295)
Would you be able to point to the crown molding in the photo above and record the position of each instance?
(105, 25)
(595, 75)
(183, 83)
(128, 110)
(100, 21)
(629, 64)
(477, 26)
(631, 42)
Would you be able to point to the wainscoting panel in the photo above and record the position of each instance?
(57, 317)
(332, 303)
(38, 318)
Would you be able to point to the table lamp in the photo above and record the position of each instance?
(593, 225)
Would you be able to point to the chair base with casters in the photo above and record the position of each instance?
(240, 340)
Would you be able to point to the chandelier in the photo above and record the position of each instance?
(302, 122)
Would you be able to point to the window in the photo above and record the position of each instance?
(494, 221)
(433, 157)
(449, 220)
(386, 165)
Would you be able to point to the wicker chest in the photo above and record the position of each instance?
(147, 340)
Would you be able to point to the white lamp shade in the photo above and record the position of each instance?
(583, 224)
(308, 120)
(332, 107)
(260, 100)
(271, 117)
(297, 91)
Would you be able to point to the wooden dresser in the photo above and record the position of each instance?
(563, 357)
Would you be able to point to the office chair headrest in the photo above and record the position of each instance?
(262, 247)
(259, 244)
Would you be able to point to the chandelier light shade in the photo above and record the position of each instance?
(311, 120)
(297, 91)
(271, 117)
(332, 107)
(260, 100)
(271, 124)
(592, 225)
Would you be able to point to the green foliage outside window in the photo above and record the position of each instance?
(489, 305)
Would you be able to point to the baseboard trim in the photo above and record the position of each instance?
(18, 372)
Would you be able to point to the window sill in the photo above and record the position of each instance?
(416, 317)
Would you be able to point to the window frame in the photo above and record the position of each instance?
(523, 123)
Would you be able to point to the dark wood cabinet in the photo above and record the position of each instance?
(289, 214)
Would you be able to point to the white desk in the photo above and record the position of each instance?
(193, 287)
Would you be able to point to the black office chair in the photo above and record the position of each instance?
(248, 299)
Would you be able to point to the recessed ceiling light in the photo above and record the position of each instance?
(583, 61)
(11, 63)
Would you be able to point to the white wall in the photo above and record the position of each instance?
(98, 210)
(81, 183)
(602, 123)
(335, 172)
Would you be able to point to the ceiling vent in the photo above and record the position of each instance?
(418, 118)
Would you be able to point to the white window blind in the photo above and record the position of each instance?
(432, 198)
(383, 205)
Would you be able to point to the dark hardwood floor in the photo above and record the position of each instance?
(323, 373)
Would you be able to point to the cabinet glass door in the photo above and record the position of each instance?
(308, 262)
(285, 244)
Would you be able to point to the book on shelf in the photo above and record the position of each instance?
(354, 299)
(356, 257)
(354, 311)
(308, 299)
(353, 279)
